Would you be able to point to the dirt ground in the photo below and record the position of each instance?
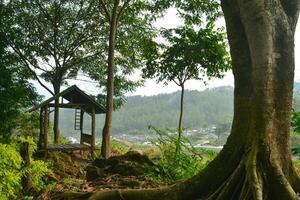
(77, 172)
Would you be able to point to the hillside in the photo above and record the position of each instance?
(201, 109)
(211, 107)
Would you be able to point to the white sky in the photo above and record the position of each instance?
(170, 20)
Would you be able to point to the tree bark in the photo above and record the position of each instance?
(56, 114)
(105, 148)
(45, 127)
(181, 112)
(255, 162)
(26, 179)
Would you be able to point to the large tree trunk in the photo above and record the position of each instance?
(256, 161)
(105, 148)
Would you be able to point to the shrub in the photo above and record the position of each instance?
(39, 171)
(118, 148)
(10, 172)
(296, 121)
(178, 159)
(11, 169)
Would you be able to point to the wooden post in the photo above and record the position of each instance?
(46, 127)
(40, 142)
(81, 124)
(93, 130)
(26, 178)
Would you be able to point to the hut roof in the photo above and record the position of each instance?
(75, 96)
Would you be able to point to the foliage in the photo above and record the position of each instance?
(11, 169)
(72, 183)
(28, 124)
(118, 148)
(189, 54)
(178, 159)
(10, 172)
(39, 170)
(296, 122)
(134, 35)
(295, 150)
(118, 101)
(296, 163)
(193, 11)
(195, 47)
(64, 166)
(15, 91)
(54, 39)
(295, 140)
(16, 94)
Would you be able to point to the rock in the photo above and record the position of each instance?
(131, 163)
(93, 172)
(133, 156)
(66, 165)
(124, 171)
(138, 157)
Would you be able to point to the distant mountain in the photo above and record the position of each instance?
(201, 109)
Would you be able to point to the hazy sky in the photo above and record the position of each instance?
(170, 20)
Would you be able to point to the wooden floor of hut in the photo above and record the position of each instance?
(67, 147)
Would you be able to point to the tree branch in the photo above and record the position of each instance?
(107, 14)
(55, 35)
(40, 82)
(25, 62)
(70, 31)
(122, 10)
(34, 74)
(177, 83)
(44, 11)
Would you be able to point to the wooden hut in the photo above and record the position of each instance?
(73, 98)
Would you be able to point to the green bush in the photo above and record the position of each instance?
(11, 169)
(118, 148)
(295, 136)
(296, 121)
(10, 172)
(178, 159)
(39, 170)
(296, 163)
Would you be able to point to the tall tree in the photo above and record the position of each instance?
(54, 39)
(189, 54)
(129, 25)
(256, 161)
(16, 93)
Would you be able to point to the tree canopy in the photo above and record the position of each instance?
(54, 39)
(188, 53)
(16, 92)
